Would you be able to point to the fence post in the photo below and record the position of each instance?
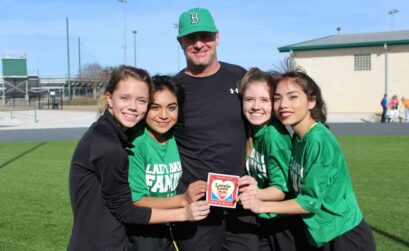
(11, 110)
(35, 114)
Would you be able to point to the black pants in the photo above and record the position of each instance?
(282, 233)
(383, 118)
(359, 238)
(150, 237)
(223, 229)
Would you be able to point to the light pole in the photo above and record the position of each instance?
(176, 25)
(124, 46)
(391, 13)
(134, 47)
(79, 57)
(338, 30)
(68, 60)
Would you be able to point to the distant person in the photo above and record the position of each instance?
(394, 103)
(155, 169)
(393, 112)
(210, 134)
(98, 180)
(405, 108)
(384, 104)
(324, 196)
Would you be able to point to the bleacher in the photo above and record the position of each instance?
(17, 88)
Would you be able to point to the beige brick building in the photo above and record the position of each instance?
(354, 71)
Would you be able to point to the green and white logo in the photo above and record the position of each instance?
(194, 16)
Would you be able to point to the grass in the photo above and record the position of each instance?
(379, 171)
(35, 213)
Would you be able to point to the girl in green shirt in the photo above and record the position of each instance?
(268, 159)
(318, 171)
(155, 169)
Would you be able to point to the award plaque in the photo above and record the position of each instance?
(222, 190)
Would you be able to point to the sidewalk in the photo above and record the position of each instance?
(79, 119)
(46, 119)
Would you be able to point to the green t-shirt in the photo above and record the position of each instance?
(322, 185)
(154, 169)
(269, 160)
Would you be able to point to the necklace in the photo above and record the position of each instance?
(311, 126)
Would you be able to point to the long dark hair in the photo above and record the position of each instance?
(162, 82)
(292, 72)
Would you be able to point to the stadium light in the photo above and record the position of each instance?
(134, 47)
(124, 46)
(176, 25)
(391, 13)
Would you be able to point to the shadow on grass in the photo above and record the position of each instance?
(391, 237)
(22, 154)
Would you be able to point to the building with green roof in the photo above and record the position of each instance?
(354, 71)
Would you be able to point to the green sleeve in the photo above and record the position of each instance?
(136, 177)
(277, 165)
(278, 157)
(318, 177)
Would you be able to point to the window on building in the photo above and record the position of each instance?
(362, 62)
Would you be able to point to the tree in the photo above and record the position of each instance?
(96, 75)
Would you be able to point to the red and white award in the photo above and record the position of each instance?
(222, 190)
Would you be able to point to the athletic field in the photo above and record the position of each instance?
(35, 213)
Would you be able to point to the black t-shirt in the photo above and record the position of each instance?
(210, 131)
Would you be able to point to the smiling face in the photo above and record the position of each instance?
(128, 102)
(162, 114)
(292, 106)
(200, 49)
(257, 105)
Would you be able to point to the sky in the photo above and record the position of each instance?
(250, 31)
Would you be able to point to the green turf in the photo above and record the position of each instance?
(34, 204)
(379, 167)
(35, 213)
